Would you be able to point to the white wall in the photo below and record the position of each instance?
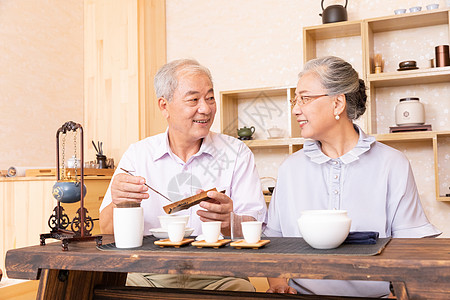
(41, 81)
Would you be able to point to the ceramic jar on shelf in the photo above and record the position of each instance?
(409, 111)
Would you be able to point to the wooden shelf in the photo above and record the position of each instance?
(411, 77)
(252, 93)
(410, 136)
(409, 20)
(275, 143)
(334, 30)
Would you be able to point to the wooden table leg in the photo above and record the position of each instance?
(400, 290)
(64, 284)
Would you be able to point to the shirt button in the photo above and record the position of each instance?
(335, 191)
(335, 162)
(336, 177)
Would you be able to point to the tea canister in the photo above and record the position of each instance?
(409, 111)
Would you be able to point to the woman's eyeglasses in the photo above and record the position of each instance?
(302, 100)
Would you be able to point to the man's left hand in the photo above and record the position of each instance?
(217, 209)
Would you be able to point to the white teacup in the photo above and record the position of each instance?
(211, 231)
(175, 230)
(128, 226)
(251, 231)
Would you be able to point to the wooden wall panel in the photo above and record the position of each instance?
(124, 45)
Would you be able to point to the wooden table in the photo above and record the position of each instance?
(418, 268)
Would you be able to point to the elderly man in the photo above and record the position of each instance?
(180, 162)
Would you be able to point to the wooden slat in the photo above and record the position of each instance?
(136, 293)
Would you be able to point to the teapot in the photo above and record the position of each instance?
(246, 132)
(68, 191)
(334, 13)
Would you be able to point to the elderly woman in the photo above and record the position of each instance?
(342, 168)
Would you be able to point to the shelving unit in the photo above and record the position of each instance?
(261, 108)
(233, 114)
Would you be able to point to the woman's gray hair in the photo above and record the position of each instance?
(166, 79)
(338, 77)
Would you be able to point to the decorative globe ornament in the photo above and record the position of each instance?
(68, 191)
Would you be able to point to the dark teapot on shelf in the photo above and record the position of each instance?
(334, 13)
(245, 132)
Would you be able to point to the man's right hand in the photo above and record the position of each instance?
(128, 188)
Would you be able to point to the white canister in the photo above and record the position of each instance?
(409, 111)
(128, 226)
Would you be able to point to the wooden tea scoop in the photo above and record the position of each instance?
(129, 173)
(188, 202)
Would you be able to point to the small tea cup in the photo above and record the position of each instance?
(211, 231)
(175, 231)
(251, 231)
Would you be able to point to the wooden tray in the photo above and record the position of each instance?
(203, 243)
(410, 128)
(168, 243)
(242, 244)
(188, 202)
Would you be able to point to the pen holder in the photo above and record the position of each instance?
(101, 161)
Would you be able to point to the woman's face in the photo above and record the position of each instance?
(316, 114)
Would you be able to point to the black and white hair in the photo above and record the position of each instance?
(166, 79)
(338, 77)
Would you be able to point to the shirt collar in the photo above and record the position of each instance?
(314, 152)
(164, 147)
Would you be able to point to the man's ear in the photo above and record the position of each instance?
(340, 103)
(162, 104)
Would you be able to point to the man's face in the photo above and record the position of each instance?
(191, 112)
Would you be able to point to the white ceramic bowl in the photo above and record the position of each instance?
(400, 11)
(324, 229)
(161, 233)
(415, 8)
(275, 132)
(165, 220)
(433, 6)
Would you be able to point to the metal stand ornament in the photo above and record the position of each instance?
(69, 190)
